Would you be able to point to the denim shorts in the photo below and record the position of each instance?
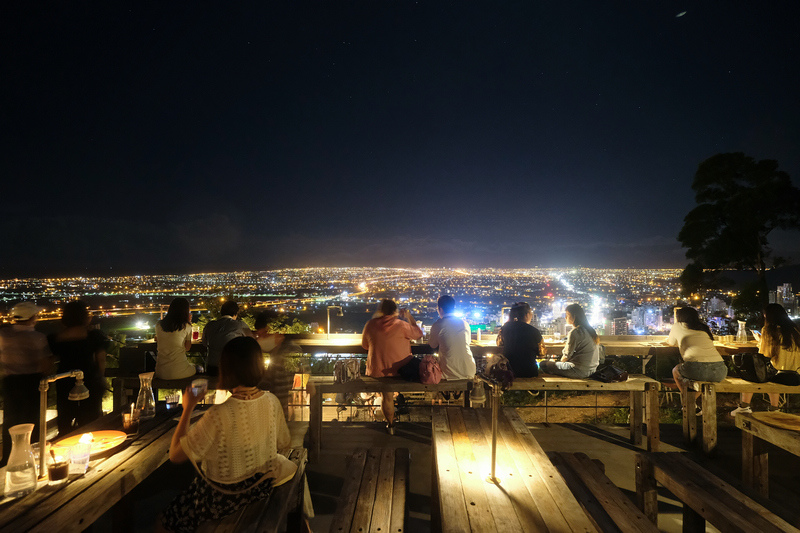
(697, 371)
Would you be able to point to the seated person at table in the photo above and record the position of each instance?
(387, 339)
(218, 332)
(174, 339)
(451, 336)
(780, 341)
(236, 443)
(701, 361)
(581, 354)
(521, 342)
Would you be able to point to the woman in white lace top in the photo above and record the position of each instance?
(234, 446)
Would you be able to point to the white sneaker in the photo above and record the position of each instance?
(742, 410)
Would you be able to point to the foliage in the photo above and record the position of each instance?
(740, 202)
(748, 304)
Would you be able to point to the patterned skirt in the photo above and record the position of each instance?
(201, 502)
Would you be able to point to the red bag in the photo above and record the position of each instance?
(429, 371)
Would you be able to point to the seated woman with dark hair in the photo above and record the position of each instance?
(235, 442)
(521, 342)
(581, 354)
(173, 340)
(701, 361)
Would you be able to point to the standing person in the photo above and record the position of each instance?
(218, 332)
(77, 347)
(174, 339)
(451, 336)
(236, 443)
(25, 358)
(521, 342)
(581, 353)
(387, 338)
(701, 361)
(780, 341)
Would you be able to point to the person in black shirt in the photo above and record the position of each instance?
(521, 342)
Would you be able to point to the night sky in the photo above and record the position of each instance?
(159, 137)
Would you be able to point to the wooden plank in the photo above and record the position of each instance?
(367, 384)
(314, 421)
(588, 501)
(366, 493)
(635, 382)
(472, 475)
(397, 521)
(346, 505)
(653, 418)
(289, 497)
(621, 510)
(755, 464)
(382, 510)
(646, 492)
(728, 510)
(452, 508)
(518, 515)
(689, 417)
(709, 399)
(782, 438)
(693, 522)
(554, 483)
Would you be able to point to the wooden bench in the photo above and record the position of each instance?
(603, 501)
(374, 493)
(283, 511)
(704, 496)
(758, 429)
(531, 494)
(318, 387)
(708, 392)
(642, 389)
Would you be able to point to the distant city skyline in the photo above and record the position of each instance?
(194, 138)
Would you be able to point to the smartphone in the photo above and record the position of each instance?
(755, 332)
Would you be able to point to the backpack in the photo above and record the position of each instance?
(499, 369)
(609, 374)
(345, 370)
(429, 371)
(755, 367)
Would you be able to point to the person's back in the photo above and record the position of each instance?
(387, 340)
(521, 345)
(218, 333)
(452, 340)
(171, 362)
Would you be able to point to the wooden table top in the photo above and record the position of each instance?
(532, 495)
(83, 499)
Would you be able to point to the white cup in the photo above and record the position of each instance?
(79, 457)
(199, 386)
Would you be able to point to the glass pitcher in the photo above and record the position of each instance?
(741, 335)
(21, 470)
(146, 402)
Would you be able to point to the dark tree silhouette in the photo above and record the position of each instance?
(740, 201)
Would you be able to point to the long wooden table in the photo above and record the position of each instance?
(758, 428)
(531, 496)
(82, 500)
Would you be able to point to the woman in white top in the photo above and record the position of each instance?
(174, 339)
(236, 442)
(780, 341)
(701, 360)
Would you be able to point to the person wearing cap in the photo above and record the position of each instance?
(25, 358)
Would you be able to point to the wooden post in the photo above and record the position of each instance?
(709, 400)
(653, 412)
(689, 415)
(692, 521)
(315, 422)
(637, 411)
(755, 464)
(646, 493)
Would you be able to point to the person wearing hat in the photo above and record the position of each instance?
(25, 358)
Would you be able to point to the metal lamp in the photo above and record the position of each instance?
(78, 392)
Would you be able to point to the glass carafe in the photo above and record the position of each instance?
(21, 470)
(741, 335)
(145, 402)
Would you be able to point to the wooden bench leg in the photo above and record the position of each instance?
(636, 399)
(709, 399)
(653, 413)
(646, 493)
(755, 464)
(689, 416)
(315, 425)
(692, 521)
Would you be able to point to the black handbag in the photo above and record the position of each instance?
(753, 367)
(609, 374)
(410, 370)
